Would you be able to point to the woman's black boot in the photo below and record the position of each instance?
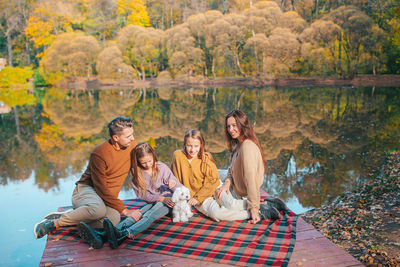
(268, 211)
(277, 203)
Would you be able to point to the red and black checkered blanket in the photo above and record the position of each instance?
(238, 243)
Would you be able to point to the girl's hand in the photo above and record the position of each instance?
(171, 183)
(255, 216)
(193, 202)
(224, 188)
(167, 201)
(135, 214)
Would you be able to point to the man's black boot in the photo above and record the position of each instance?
(93, 237)
(114, 236)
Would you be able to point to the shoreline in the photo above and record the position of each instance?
(366, 221)
(195, 82)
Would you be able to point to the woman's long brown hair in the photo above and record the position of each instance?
(141, 150)
(245, 130)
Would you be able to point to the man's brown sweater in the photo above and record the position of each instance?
(107, 171)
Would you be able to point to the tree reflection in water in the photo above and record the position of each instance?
(318, 142)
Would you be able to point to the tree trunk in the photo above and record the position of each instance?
(9, 50)
(143, 73)
(28, 52)
(238, 65)
(172, 19)
(144, 95)
(213, 68)
(316, 9)
(16, 117)
(340, 56)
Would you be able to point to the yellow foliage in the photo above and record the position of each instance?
(15, 87)
(50, 18)
(10, 76)
(49, 138)
(39, 32)
(152, 142)
(135, 10)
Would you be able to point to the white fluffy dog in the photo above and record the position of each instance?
(181, 211)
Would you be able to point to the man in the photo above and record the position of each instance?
(96, 193)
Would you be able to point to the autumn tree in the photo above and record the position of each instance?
(100, 18)
(356, 37)
(110, 64)
(230, 34)
(133, 12)
(200, 28)
(268, 10)
(262, 17)
(16, 90)
(320, 54)
(71, 55)
(293, 21)
(143, 47)
(183, 55)
(12, 23)
(282, 51)
(256, 52)
(49, 19)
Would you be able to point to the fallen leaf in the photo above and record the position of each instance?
(47, 264)
(299, 263)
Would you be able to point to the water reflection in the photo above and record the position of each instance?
(318, 142)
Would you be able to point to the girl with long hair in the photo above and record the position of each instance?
(195, 168)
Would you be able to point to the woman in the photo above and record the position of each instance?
(241, 189)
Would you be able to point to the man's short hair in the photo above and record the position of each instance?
(118, 124)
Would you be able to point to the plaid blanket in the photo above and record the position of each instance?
(238, 243)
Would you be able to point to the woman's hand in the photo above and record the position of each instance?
(193, 202)
(135, 214)
(223, 188)
(167, 201)
(255, 216)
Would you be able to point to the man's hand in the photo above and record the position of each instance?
(135, 214)
(193, 202)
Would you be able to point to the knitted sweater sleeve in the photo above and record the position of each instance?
(253, 174)
(210, 181)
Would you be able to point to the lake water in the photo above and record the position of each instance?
(318, 143)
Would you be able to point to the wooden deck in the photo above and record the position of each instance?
(311, 249)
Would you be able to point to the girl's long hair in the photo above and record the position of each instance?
(141, 150)
(245, 130)
(196, 134)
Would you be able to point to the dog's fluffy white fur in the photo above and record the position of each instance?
(181, 211)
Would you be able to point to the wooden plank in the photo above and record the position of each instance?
(59, 252)
(311, 249)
